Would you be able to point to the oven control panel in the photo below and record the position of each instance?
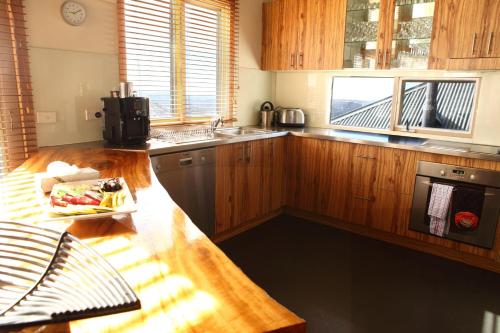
(456, 173)
(463, 174)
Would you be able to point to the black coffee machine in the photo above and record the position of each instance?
(126, 120)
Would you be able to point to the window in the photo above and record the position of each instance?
(362, 102)
(181, 54)
(437, 104)
(17, 120)
(433, 106)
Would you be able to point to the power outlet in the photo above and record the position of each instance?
(92, 115)
(46, 117)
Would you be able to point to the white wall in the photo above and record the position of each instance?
(73, 67)
(255, 85)
(312, 92)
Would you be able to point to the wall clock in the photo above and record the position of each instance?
(73, 12)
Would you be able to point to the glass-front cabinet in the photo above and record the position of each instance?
(411, 36)
(362, 24)
(383, 34)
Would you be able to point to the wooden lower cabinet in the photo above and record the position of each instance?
(371, 189)
(249, 182)
(384, 210)
(368, 188)
(347, 181)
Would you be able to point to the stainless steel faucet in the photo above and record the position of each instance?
(216, 122)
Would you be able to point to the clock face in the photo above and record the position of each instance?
(73, 12)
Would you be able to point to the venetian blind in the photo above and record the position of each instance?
(17, 120)
(182, 55)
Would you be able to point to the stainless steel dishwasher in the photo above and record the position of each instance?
(189, 178)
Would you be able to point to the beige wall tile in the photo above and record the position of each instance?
(312, 92)
(68, 83)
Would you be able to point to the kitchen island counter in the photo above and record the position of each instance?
(184, 282)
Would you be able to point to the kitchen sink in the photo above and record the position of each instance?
(236, 131)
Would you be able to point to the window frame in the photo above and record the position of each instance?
(396, 110)
(437, 131)
(225, 93)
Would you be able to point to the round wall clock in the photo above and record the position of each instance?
(73, 12)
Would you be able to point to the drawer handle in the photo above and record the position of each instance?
(186, 161)
(364, 198)
(367, 157)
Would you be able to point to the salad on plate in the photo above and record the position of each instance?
(89, 197)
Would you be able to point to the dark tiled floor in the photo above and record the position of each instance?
(341, 282)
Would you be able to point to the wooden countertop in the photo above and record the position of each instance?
(185, 283)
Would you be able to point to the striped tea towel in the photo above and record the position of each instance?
(439, 206)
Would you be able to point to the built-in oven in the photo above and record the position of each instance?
(473, 205)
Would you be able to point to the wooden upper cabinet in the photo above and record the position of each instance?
(303, 34)
(321, 34)
(465, 27)
(466, 35)
(279, 35)
(491, 39)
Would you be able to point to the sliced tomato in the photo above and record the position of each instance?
(58, 202)
(67, 197)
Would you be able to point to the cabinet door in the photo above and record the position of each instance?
(464, 21)
(229, 160)
(321, 35)
(396, 169)
(305, 159)
(280, 33)
(364, 167)
(364, 34)
(270, 35)
(388, 211)
(273, 181)
(409, 26)
(249, 186)
(250, 181)
(491, 40)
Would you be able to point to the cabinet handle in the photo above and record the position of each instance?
(474, 39)
(380, 58)
(247, 153)
(490, 40)
(245, 156)
(366, 157)
(186, 161)
(241, 155)
(301, 60)
(292, 61)
(364, 198)
(388, 59)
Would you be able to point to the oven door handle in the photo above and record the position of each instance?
(485, 193)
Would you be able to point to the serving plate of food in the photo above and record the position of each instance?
(90, 199)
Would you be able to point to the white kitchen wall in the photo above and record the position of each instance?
(255, 85)
(73, 67)
(312, 92)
